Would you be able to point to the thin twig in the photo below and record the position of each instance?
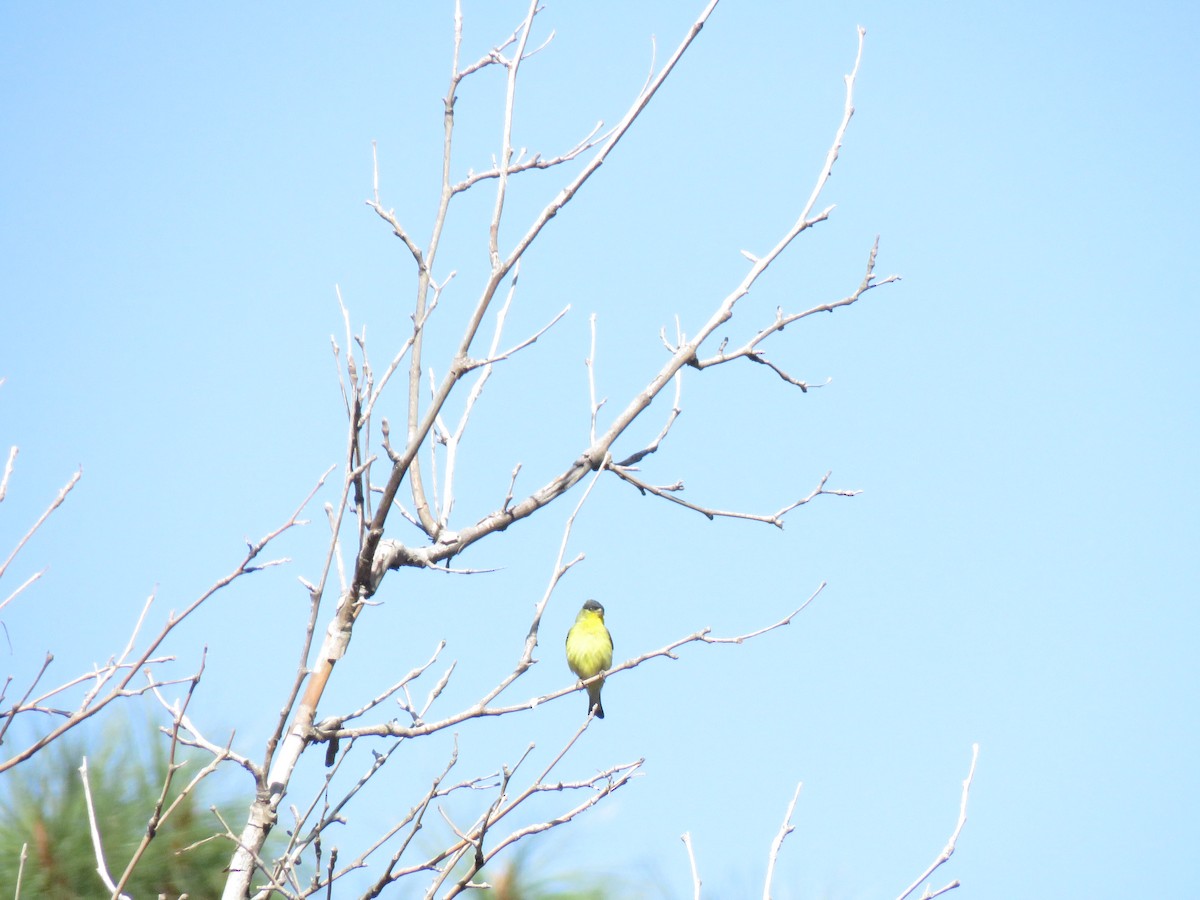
(784, 830)
(55, 504)
(590, 363)
(653, 446)
(750, 349)
(411, 676)
(495, 357)
(668, 493)
(592, 139)
(28, 581)
(687, 842)
(159, 815)
(8, 467)
(20, 870)
(948, 850)
(94, 829)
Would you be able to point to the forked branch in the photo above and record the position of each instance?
(948, 850)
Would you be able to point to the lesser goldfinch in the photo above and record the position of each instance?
(589, 651)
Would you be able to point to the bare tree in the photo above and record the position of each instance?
(370, 497)
(419, 459)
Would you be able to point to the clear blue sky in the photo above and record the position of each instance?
(183, 188)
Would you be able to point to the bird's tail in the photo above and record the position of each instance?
(594, 700)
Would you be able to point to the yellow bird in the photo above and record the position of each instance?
(589, 651)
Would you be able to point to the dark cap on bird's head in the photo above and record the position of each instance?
(594, 606)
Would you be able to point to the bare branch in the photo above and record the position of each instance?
(784, 830)
(55, 504)
(592, 139)
(495, 357)
(595, 456)
(406, 463)
(687, 842)
(668, 493)
(26, 583)
(94, 700)
(8, 467)
(473, 838)
(948, 850)
(454, 440)
(512, 483)
(750, 349)
(332, 813)
(406, 346)
(593, 406)
(21, 870)
(832, 155)
(314, 595)
(929, 891)
(492, 57)
(613, 778)
(181, 722)
(411, 676)
(653, 446)
(94, 828)
(389, 215)
(414, 819)
(158, 816)
(506, 148)
(480, 709)
(622, 127)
